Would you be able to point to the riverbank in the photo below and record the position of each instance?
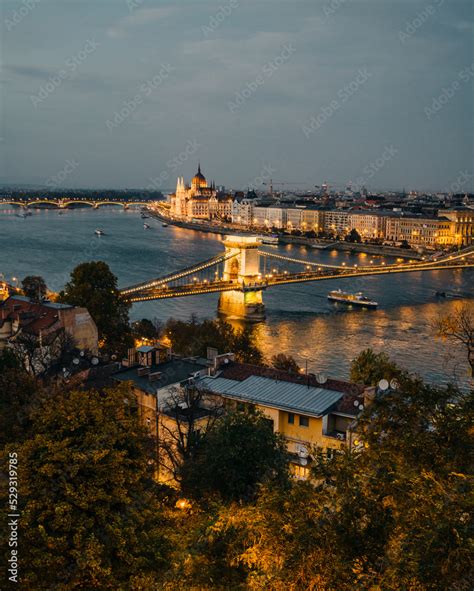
(374, 249)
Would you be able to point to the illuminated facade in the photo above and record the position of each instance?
(419, 231)
(462, 225)
(199, 200)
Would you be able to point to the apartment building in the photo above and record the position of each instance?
(419, 230)
(462, 225)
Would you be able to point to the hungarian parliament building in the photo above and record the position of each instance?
(200, 200)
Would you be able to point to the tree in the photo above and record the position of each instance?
(369, 368)
(459, 328)
(237, 455)
(34, 287)
(91, 514)
(353, 236)
(194, 337)
(285, 363)
(42, 356)
(18, 392)
(94, 286)
(146, 329)
(391, 514)
(187, 417)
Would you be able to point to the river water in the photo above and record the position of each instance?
(300, 320)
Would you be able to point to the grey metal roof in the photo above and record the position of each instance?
(287, 396)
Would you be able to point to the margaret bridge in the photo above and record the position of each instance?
(243, 272)
(65, 203)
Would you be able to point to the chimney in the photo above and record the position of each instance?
(156, 375)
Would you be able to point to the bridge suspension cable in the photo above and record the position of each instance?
(179, 275)
(302, 262)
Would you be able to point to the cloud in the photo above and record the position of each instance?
(141, 17)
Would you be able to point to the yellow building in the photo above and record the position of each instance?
(420, 231)
(305, 412)
(462, 225)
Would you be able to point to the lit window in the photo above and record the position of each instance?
(291, 418)
(304, 421)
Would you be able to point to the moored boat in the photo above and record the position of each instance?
(352, 299)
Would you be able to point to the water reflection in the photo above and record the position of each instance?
(300, 320)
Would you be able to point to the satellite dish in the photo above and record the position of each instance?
(321, 378)
(383, 385)
(303, 461)
(356, 403)
(81, 353)
(94, 361)
(394, 384)
(361, 407)
(302, 452)
(75, 361)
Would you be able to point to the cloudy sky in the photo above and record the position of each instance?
(131, 93)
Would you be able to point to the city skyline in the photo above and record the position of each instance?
(144, 90)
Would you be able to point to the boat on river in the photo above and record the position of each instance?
(351, 299)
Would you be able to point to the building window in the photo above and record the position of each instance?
(291, 418)
(304, 421)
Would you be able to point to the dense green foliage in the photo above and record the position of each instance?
(240, 453)
(90, 510)
(193, 338)
(369, 368)
(391, 514)
(285, 363)
(94, 286)
(34, 287)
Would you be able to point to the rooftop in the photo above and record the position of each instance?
(172, 372)
(283, 395)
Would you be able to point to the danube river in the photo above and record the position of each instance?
(300, 320)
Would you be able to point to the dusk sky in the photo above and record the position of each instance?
(375, 92)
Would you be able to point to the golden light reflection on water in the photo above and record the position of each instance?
(330, 342)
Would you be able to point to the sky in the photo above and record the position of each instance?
(133, 93)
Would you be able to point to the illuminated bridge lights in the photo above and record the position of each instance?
(161, 288)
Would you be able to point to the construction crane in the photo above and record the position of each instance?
(272, 183)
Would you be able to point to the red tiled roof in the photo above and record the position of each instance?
(241, 371)
(33, 317)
